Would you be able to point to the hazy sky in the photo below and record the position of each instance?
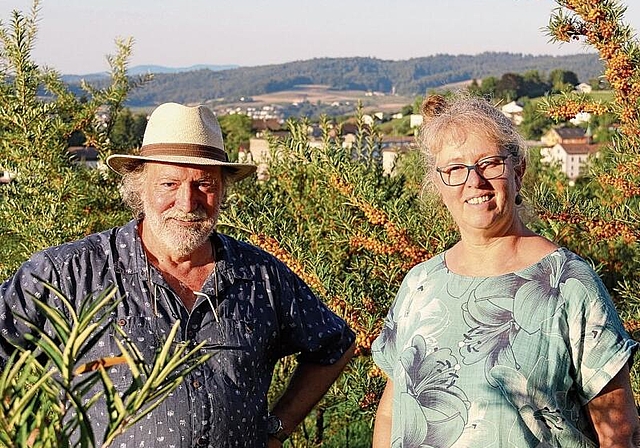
(76, 35)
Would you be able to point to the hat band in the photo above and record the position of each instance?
(183, 150)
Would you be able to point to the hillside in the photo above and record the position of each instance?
(407, 77)
(146, 69)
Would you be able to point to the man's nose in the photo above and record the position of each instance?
(186, 198)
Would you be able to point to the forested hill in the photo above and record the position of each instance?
(407, 77)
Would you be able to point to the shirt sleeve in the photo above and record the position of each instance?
(598, 342)
(16, 302)
(307, 325)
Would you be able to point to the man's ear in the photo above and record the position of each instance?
(520, 169)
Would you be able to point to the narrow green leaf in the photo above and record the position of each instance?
(160, 360)
(178, 359)
(70, 308)
(92, 341)
(60, 327)
(131, 362)
(91, 306)
(46, 345)
(134, 351)
(115, 406)
(15, 366)
(81, 421)
(18, 406)
(81, 338)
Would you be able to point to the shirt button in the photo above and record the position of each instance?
(196, 384)
(202, 441)
(191, 334)
(122, 322)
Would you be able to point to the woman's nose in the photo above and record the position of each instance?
(475, 178)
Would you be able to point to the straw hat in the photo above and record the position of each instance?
(185, 135)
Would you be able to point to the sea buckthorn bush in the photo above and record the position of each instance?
(600, 217)
(330, 212)
(352, 232)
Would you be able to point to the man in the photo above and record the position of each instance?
(168, 264)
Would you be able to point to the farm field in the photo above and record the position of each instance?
(323, 94)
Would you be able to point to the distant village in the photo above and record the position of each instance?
(568, 147)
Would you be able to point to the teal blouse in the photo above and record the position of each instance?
(505, 361)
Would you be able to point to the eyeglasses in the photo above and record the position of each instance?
(487, 168)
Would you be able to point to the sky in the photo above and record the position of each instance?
(75, 36)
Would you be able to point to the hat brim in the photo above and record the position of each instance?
(122, 164)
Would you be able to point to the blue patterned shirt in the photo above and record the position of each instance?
(500, 361)
(262, 312)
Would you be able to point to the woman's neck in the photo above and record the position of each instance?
(486, 256)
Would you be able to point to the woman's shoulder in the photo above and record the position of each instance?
(572, 273)
(424, 272)
(426, 267)
(579, 268)
(569, 260)
(534, 249)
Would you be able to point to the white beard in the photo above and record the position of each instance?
(179, 240)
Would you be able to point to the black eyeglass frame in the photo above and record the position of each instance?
(474, 167)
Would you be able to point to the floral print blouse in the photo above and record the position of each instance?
(505, 361)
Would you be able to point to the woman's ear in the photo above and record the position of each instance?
(436, 184)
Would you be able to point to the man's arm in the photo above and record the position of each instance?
(382, 427)
(307, 386)
(613, 413)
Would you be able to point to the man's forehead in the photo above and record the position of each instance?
(165, 168)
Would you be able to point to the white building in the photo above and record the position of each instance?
(581, 117)
(570, 147)
(513, 112)
(572, 157)
(583, 88)
(392, 148)
(415, 120)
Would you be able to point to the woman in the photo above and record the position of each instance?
(505, 339)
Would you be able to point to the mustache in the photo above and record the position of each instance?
(196, 215)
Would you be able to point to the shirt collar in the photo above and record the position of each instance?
(230, 264)
(133, 260)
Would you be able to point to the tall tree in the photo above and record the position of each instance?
(236, 130)
(533, 85)
(34, 134)
(127, 130)
(489, 86)
(509, 87)
(563, 80)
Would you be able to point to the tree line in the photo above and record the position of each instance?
(408, 77)
(128, 128)
(532, 84)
